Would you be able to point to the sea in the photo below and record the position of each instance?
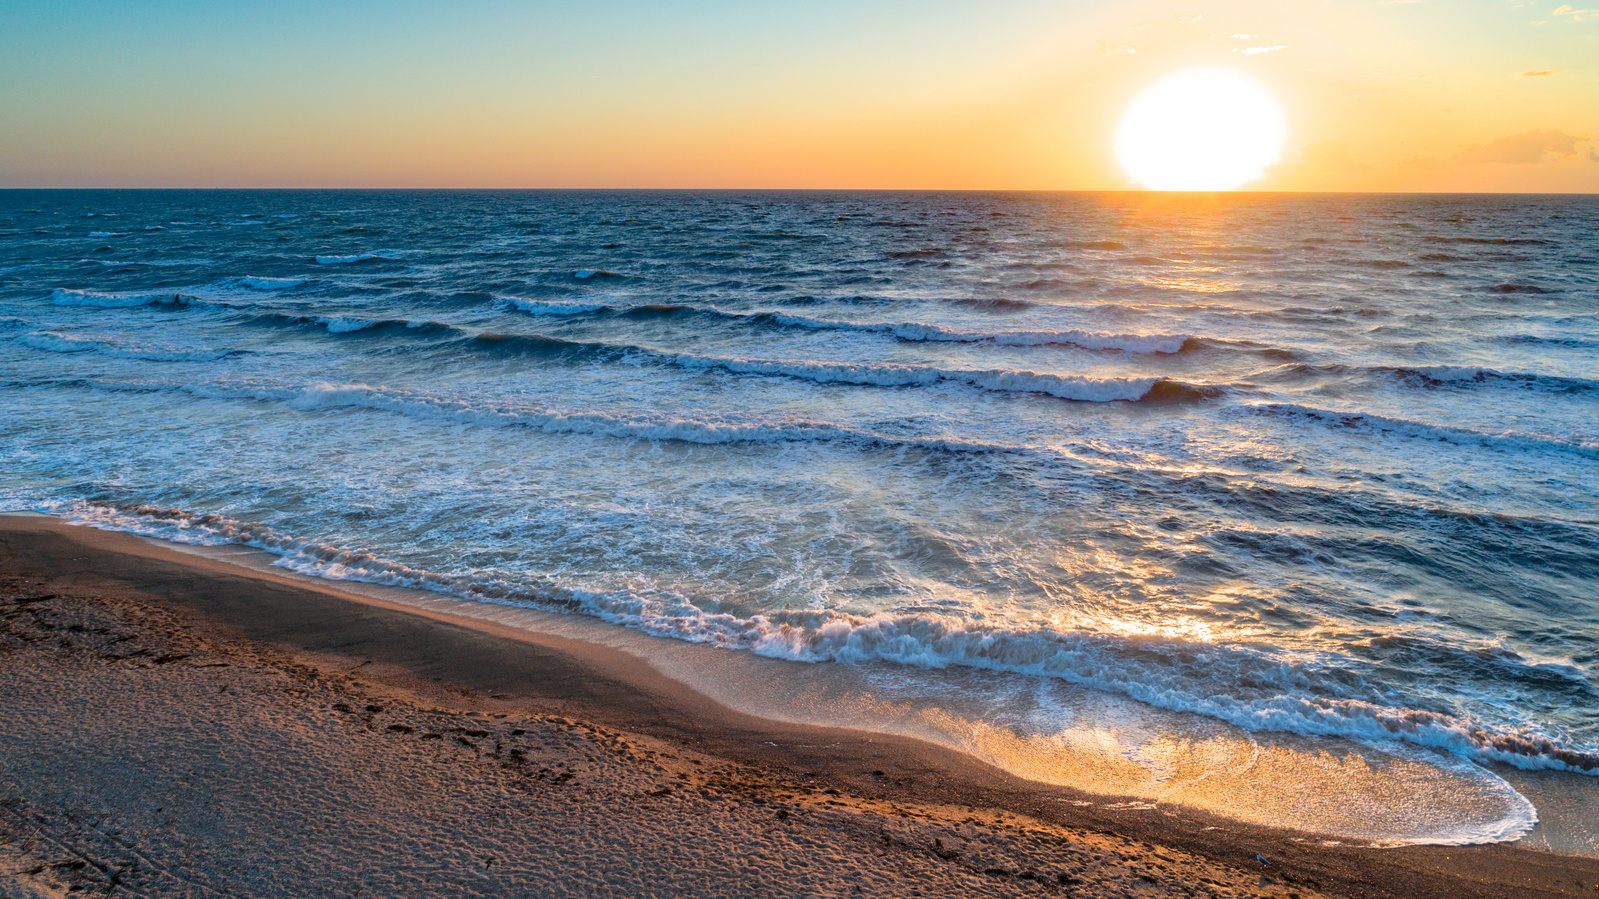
(1281, 507)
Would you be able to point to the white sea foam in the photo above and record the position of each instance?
(345, 325)
(1165, 673)
(64, 297)
(269, 283)
(108, 234)
(551, 307)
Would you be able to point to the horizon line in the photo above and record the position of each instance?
(947, 190)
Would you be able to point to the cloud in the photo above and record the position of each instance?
(1577, 15)
(1111, 49)
(1538, 74)
(1254, 51)
(1524, 149)
(1243, 37)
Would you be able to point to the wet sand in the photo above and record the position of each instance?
(175, 725)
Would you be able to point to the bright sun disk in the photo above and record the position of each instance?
(1204, 128)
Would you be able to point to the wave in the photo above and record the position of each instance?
(267, 283)
(1005, 304)
(358, 257)
(1068, 387)
(553, 307)
(1245, 685)
(1492, 241)
(706, 430)
(62, 296)
(915, 332)
(920, 332)
(1379, 424)
(1571, 342)
(108, 234)
(338, 324)
(1440, 376)
(1453, 375)
(54, 342)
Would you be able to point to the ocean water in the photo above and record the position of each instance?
(1320, 472)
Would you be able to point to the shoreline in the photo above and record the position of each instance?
(455, 665)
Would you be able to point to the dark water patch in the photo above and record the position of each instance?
(350, 326)
(1427, 431)
(996, 304)
(1541, 340)
(1491, 241)
(1432, 377)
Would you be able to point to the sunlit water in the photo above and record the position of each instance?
(1196, 489)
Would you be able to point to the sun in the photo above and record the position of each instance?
(1203, 128)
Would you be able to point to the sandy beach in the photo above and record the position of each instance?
(177, 726)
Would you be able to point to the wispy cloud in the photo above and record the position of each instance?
(1525, 149)
(1538, 74)
(1577, 15)
(1256, 51)
(1111, 49)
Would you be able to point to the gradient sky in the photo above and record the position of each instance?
(1464, 95)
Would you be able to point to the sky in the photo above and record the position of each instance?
(1380, 95)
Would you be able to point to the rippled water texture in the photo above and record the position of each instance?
(1313, 466)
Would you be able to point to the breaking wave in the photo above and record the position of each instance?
(916, 332)
(1245, 685)
(1417, 430)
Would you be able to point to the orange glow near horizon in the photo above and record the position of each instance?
(705, 94)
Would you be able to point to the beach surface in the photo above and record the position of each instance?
(180, 726)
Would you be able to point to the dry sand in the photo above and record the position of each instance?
(177, 726)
